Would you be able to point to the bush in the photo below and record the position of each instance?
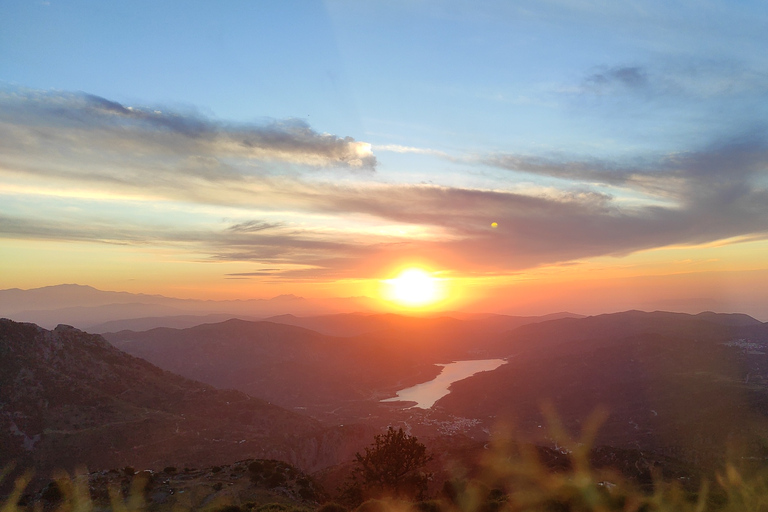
(429, 506)
(374, 505)
(332, 507)
(276, 479)
(274, 507)
(393, 466)
(52, 493)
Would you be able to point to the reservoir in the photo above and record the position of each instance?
(427, 393)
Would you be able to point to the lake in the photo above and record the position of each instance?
(427, 393)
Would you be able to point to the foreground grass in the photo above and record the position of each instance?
(512, 479)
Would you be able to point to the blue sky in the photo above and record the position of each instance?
(455, 76)
(327, 138)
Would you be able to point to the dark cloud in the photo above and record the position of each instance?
(631, 77)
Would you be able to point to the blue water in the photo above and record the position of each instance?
(427, 393)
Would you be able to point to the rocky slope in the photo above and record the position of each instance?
(69, 398)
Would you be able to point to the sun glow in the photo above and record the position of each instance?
(413, 287)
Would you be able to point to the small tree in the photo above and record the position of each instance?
(393, 465)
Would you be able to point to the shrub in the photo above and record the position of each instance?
(374, 505)
(276, 480)
(393, 466)
(429, 506)
(332, 507)
(273, 507)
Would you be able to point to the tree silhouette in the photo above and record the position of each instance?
(393, 465)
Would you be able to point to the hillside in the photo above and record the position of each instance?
(287, 365)
(69, 398)
(693, 386)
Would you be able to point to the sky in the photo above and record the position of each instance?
(530, 156)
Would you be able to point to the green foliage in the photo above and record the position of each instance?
(393, 466)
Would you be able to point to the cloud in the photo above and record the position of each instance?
(717, 195)
(396, 148)
(677, 79)
(250, 274)
(252, 226)
(67, 125)
(80, 142)
(631, 77)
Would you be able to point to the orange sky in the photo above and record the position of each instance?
(532, 157)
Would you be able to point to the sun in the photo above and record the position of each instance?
(413, 287)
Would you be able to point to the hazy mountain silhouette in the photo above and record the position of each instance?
(353, 324)
(85, 306)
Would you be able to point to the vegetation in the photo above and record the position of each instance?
(513, 479)
(394, 466)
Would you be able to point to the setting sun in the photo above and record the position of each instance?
(413, 287)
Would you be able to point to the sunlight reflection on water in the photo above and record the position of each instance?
(427, 393)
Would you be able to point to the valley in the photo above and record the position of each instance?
(679, 391)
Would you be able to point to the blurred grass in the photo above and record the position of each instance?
(513, 479)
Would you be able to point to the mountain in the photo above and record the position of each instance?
(69, 398)
(354, 324)
(692, 386)
(151, 322)
(338, 375)
(85, 306)
(287, 365)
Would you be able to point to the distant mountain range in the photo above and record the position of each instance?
(87, 308)
(69, 398)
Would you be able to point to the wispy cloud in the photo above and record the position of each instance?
(674, 79)
(252, 274)
(631, 77)
(396, 148)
